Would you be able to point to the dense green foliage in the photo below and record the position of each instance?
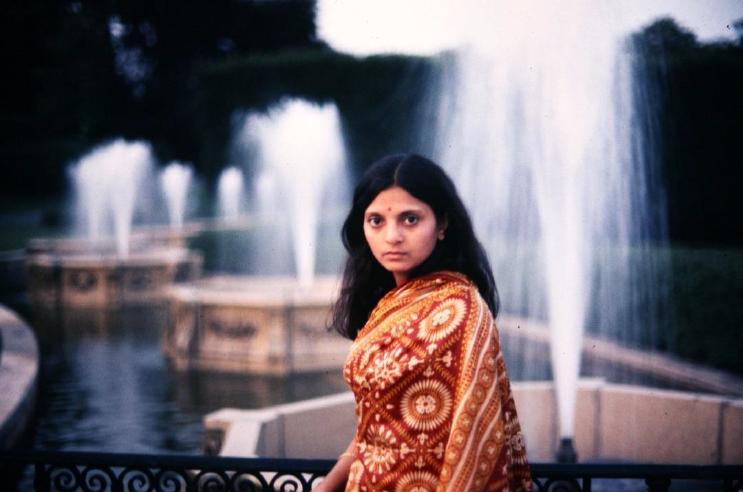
(698, 95)
(707, 308)
(684, 300)
(79, 72)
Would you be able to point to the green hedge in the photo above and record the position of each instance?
(707, 306)
(692, 308)
(699, 130)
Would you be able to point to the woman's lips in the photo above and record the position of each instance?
(392, 255)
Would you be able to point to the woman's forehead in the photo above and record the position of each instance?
(396, 199)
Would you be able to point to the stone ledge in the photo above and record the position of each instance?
(316, 428)
(612, 422)
(19, 369)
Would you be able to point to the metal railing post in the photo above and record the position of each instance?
(41, 478)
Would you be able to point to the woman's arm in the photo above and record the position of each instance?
(336, 480)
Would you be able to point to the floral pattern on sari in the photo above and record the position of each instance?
(433, 400)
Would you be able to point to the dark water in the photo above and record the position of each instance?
(106, 386)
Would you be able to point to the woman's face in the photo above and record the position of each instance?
(401, 231)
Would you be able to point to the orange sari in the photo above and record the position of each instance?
(433, 400)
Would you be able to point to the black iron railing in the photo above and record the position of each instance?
(98, 472)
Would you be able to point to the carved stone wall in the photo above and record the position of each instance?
(107, 281)
(257, 326)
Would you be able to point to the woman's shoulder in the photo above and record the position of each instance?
(456, 281)
(436, 288)
(453, 284)
(456, 284)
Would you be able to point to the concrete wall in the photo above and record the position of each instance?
(732, 433)
(540, 423)
(316, 428)
(612, 422)
(660, 426)
(19, 368)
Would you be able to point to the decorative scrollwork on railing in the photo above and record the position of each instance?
(562, 485)
(288, 482)
(87, 472)
(64, 479)
(212, 481)
(557, 485)
(97, 479)
(137, 480)
(247, 482)
(169, 480)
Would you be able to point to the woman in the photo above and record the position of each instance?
(433, 400)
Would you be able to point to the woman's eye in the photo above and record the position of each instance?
(375, 221)
(411, 219)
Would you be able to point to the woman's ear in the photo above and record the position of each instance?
(442, 225)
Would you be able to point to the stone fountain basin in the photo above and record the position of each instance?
(260, 325)
(258, 291)
(142, 239)
(101, 280)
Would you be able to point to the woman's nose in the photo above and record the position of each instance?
(393, 234)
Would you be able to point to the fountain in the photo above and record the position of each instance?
(175, 181)
(270, 322)
(284, 140)
(112, 266)
(537, 132)
(230, 194)
(106, 182)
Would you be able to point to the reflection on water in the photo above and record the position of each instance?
(106, 386)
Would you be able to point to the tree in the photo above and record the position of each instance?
(664, 36)
(160, 44)
(82, 71)
(738, 27)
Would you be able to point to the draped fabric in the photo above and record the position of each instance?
(433, 400)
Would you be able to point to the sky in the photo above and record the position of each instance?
(426, 27)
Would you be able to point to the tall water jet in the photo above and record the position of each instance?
(106, 183)
(300, 155)
(175, 181)
(536, 128)
(230, 193)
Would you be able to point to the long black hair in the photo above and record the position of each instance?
(365, 281)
